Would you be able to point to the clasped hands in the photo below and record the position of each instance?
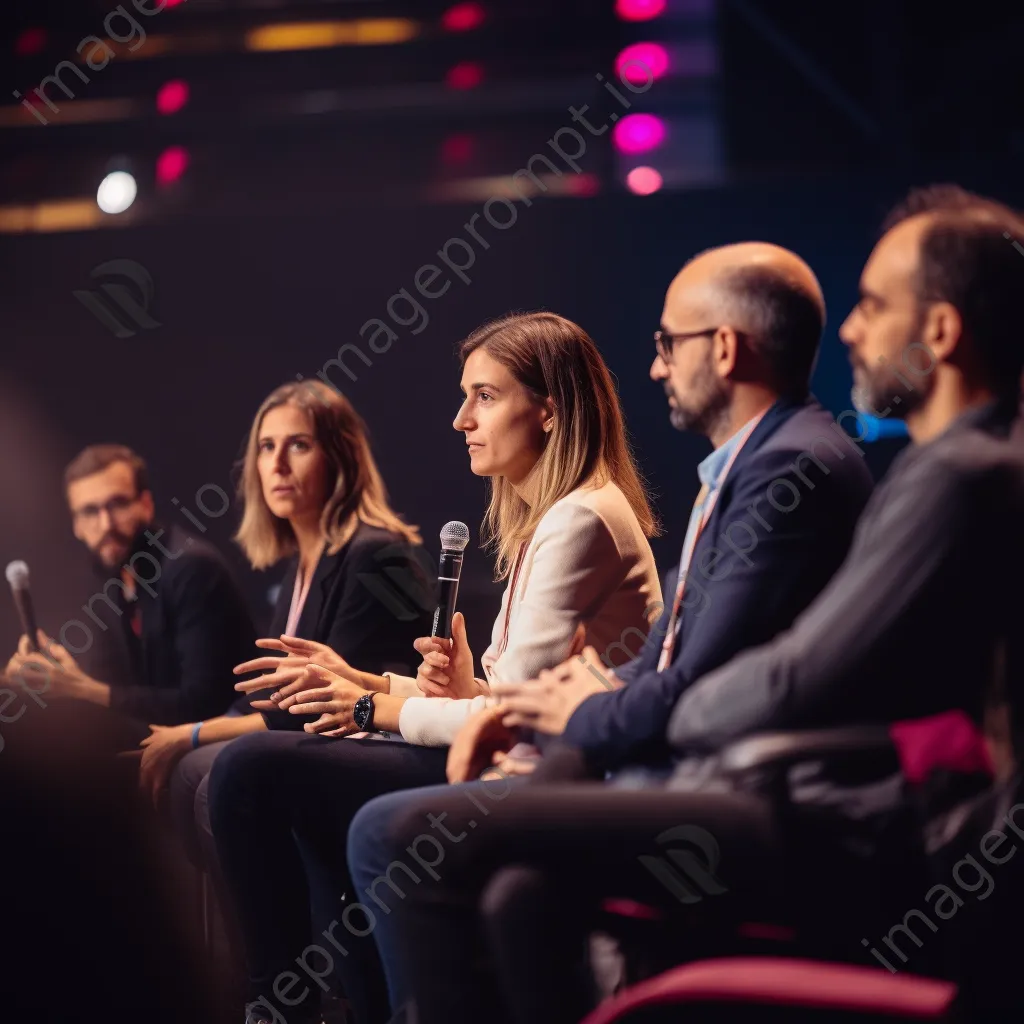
(310, 679)
(55, 669)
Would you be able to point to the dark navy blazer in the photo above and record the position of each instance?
(780, 528)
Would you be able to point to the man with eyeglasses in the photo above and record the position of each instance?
(169, 595)
(780, 496)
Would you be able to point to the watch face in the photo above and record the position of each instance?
(363, 710)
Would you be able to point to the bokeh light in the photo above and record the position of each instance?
(457, 149)
(639, 10)
(643, 181)
(171, 164)
(172, 96)
(117, 192)
(467, 75)
(640, 63)
(638, 133)
(463, 17)
(30, 42)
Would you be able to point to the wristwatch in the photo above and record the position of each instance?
(362, 713)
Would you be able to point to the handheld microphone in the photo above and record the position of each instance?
(454, 538)
(17, 577)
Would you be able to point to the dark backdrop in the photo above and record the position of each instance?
(247, 305)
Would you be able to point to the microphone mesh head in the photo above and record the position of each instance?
(454, 536)
(17, 574)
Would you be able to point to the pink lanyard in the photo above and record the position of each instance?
(668, 644)
(503, 643)
(299, 595)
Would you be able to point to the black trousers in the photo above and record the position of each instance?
(87, 895)
(497, 931)
(280, 807)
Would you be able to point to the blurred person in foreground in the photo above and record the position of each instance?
(93, 930)
(904, 634)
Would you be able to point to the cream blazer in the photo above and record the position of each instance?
(588, 561)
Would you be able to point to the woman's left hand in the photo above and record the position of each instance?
(328, 695)
(162, 749)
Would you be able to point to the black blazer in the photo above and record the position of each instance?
(194, 628)
(368, 602)
(780, 528)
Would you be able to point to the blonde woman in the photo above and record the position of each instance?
(312, 497)
(569, 520)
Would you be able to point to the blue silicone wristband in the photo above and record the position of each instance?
(195, 735)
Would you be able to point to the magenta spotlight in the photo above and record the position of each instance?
(642, 63)
(639, 10)
(637, 133)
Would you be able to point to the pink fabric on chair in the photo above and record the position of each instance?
(782, 982)
(951, 741)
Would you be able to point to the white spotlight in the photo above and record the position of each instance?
(117, 192)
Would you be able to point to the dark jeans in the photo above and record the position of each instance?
(493, 926)
(280, 807)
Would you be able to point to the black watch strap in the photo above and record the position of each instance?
(362, 713)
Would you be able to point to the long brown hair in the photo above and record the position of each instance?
(355, 487)
(555, 359)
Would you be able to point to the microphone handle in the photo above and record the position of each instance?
(449, 571)
(27, 614)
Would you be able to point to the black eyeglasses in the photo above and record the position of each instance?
(664, 340)
(114, 508)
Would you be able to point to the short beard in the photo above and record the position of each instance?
(891, 391)
(710, 409)
(102, 569)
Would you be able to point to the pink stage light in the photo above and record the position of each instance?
(30, 42)
(172, 3)
(467, 75)
(457, 149)
(583, 185)
(641, 63)
(639, 10)
(172, 96)
(637, 133)
(643, 181)
(171, 165)
(463, 17)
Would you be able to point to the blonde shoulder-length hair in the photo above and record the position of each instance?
(356, 492)
(555, 359)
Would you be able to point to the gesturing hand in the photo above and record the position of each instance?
(323, 693)
(447, 666)
(288, 673)
(548, 702)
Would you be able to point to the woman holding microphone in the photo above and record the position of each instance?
(569, 520)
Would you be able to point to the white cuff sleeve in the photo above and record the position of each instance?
(434, 721)
(403, 686)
